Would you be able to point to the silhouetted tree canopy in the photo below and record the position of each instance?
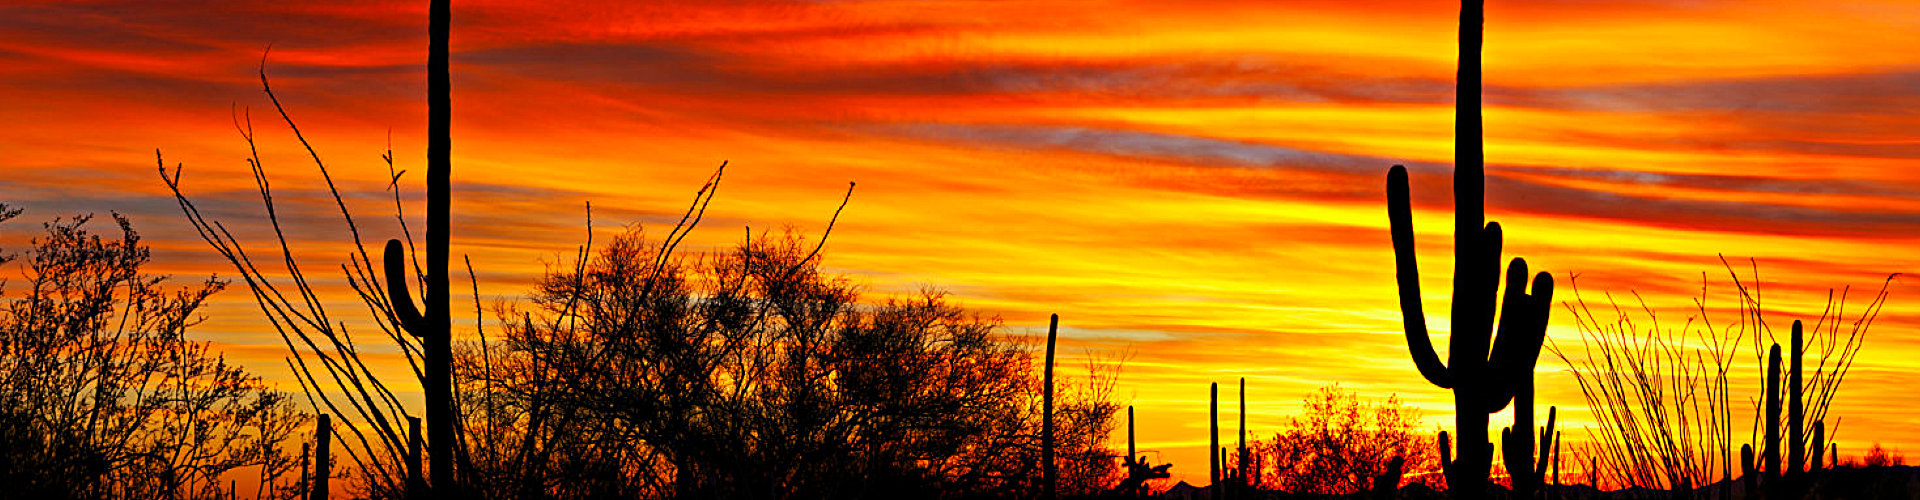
(1339, 443)
(102, 395)
(750, 373)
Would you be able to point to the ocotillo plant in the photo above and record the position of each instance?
(1047, 472)
(1481, 384)
(1213, 439)
(322, 458)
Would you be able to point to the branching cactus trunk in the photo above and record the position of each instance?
(1526, 472)
(434, 327)
(1047, 472)
(1483, 382)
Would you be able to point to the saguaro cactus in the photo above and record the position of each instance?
(1482, 383)
(1796, 414)
(1047, 472)
(434, 328)
(1770, 458)
(1749, 472)
(322, 458)
(1213, 439)
(416, 485)
(1240, 461)
(1527, 473)
(1819, 445)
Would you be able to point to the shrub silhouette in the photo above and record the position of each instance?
(751, 374)
(1482, 383)
(1340, 445)
(103, 396)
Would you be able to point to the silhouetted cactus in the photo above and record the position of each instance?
(1446, 453)
(1213, 439)
(322, 458)
(416, 484)
(1527, 473)
(1819, 445)
(1482, 385)
(1770, 458)
(434, 328)
(1593, 473)
(1749, 472)
(1554, 494)
(1796, 413)
(1048, 473)
(1240, 462)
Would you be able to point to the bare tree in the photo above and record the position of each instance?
(102, 395)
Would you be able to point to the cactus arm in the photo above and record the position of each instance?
(397, 277)
(1548, 443)
(1407, 271)
(1512, 361)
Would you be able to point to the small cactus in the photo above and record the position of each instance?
(322, 459)
(1749, 472)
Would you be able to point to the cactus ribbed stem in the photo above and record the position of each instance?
(1048, 474)
(1213, 440)
(322, 458)
(1770, 459)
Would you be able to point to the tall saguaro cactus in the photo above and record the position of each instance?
(1240, 460)
(1213, 439)
(1770, 456)
(1047, 473)
(1482, 382)
(434, 328)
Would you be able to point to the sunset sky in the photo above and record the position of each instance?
(1199, 183)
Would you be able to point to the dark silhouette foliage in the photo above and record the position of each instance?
(751, 373)
(1341, 445)
(103, 395)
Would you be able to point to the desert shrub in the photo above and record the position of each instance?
(1339, 443)
(102, 395)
